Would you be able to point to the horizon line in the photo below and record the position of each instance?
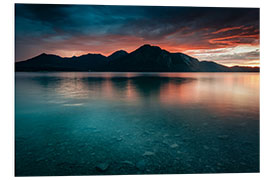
(146, 44)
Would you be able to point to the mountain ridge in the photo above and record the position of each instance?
(146, 58)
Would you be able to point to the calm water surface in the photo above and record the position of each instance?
(136, 123)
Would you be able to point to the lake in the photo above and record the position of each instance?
(86, 123)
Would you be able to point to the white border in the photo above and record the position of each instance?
(214, 3)
(7, 83)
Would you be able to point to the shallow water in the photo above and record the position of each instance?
(73, 123)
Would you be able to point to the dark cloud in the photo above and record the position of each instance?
(161, 21)
(44, 13)
(140, 21)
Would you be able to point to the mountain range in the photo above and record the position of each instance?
(146, 58)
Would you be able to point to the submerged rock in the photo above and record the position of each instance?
(180, 142)
(119, 139)
(102, 166)
(40, 159)
(141, 165)
(148, 153)
(180, 152)
(186, 139)
(174, 145)
(128, 163)
(165, 142)
(205, 147)
(165, 135)
(219, 164)
(223, 136)
(242, 163)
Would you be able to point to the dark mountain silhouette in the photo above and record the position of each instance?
(146, 58)
(49, 62)
(117, 54)
(153, 58)
(210, 66)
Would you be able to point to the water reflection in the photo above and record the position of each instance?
(68, 123)
(215, 91)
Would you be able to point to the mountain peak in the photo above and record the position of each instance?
(148, 47)
(117, 54)
(119, 51)
(43, 54)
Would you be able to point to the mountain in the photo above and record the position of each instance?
(244, 69)
(152, 58)
(117, 54)
(49, 62)
(146, 58)
(210, 66)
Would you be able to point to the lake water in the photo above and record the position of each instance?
(73, 123)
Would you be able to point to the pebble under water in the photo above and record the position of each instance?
(136, 123)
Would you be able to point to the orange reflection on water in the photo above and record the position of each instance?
(218, 92)
(105, 86)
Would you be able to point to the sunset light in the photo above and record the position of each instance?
(223, 35)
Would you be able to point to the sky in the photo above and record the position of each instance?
(229, 36)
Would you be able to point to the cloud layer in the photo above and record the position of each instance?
(225, 35)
